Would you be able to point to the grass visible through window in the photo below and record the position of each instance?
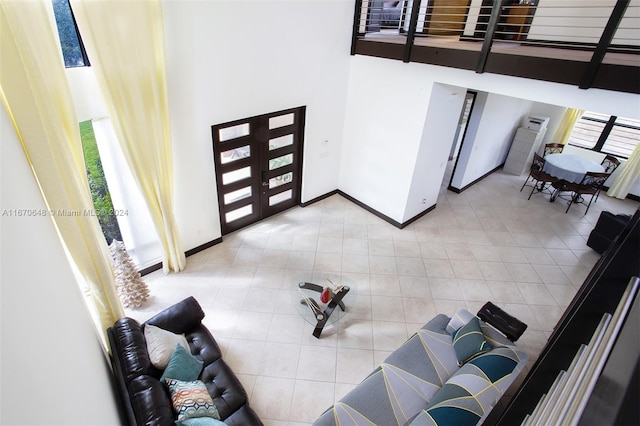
(98, 184)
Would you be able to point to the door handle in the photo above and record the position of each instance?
(264, 179)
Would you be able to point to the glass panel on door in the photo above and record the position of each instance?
(276, 143)
(238, 213)
(258, 163)
(235, 154)
(234, 132)
(279, 198)
(281, 121)
(236, 175)
(237, 195)
(276, 163)
(280, 180)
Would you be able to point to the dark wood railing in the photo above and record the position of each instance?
(592, 45)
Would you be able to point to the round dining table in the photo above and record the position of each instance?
(570, 167)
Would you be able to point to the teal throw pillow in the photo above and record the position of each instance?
(469, 342)
(191, 399)
(473, 390)
(182, 366)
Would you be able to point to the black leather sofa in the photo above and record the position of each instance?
(608, 227)
(145, 400)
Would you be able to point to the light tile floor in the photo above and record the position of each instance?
(487, 243)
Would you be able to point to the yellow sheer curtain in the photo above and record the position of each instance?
(627, 176)
(571, 115)
(35, 93)
(125, 44)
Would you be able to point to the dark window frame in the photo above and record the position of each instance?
(609, 126)
(83, 52)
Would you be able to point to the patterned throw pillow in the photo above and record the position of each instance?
(469, 342)
(182, 366)
(202, 421)
(468, 396)
(191, 399)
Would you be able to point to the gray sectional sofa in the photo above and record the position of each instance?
(423, 383)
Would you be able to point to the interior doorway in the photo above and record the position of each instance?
(461, 131)
(258, 164)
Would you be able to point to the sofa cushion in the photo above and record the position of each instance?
(150, 402)
(161, 344)
(182, 366)
(224, 387)
(191, 399)
(473, 390)
(469, 342)
(202, 345)
(460, 318)
(179, 318)
(399, 389)
(129, 346)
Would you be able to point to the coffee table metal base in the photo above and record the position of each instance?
(322, 316)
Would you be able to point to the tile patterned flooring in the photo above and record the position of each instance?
(487, 243)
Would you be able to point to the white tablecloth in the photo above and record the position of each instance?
(570, 167)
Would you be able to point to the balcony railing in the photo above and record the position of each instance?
(589, 43)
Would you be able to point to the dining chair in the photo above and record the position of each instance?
(541, 181)
(610, 163)
(553, 148)
(590, 185)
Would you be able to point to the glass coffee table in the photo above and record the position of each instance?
(307, 296)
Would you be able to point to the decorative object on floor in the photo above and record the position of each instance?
(131, 289)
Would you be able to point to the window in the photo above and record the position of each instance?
(98, 184)
(70, 40)
(608, 134)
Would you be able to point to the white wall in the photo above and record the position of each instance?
(384, 129)
(555, 114)
(498, 121)
(384, 123)
(370, 111)
(53, 369)
(275, 55)
(438, 134)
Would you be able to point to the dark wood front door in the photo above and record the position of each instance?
(258, 164)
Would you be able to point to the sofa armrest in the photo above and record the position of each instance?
(608, 227)
(511, 326)
(179, 318)
(119, 374)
